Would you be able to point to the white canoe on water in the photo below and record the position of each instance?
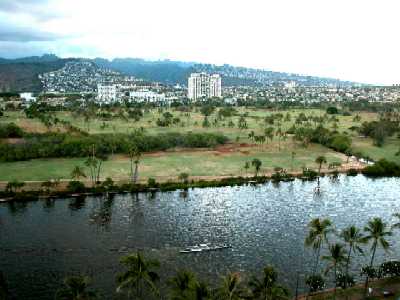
(204, 247)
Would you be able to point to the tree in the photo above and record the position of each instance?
(76, 288)
(353, 237)
(335, 258)
(230, 288)
(246, 166)
(184, 285)
(256, 163)
(332, 110)
(267, 288)
(320, 160)
(140, 274)
(317, 236)
(376, 231)
(242, 124)
(134, 157)
(14, 186)
(184, 177)
(77, 173)
(293, 154)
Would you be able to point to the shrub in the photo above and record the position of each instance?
(315, 283)
(152, 183)
(382, 168)
(310, 174)
(390, 268)
(371, 272)
(76, 187)
(332, 110)
(352, 172)
(10, 130)
(343, 281)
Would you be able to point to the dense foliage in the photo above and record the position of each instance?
(382, 168)
(65, 145)
(10, 130)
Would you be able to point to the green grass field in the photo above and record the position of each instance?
(196, 163)
(228, 161)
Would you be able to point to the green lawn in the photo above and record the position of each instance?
(170, 164)
(388, 150)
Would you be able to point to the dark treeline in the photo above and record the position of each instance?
(53, 145)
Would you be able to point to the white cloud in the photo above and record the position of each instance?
(347, 39)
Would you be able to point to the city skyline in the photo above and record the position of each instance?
(349, 40)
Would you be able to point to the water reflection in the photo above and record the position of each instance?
(102, 216)
(77, 203)
(48, 204)
(17, 208)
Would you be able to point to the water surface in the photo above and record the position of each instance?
(43, 241)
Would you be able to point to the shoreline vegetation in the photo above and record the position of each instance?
(35, 190)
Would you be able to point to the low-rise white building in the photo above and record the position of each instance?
(28, 97)
(146, 96)
(107, 93)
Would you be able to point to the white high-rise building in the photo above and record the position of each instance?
(203, 85)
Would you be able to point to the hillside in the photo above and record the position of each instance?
(22, 74)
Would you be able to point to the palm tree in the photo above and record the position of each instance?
(317, 236)
(140, 274)
(256, 163)
(134, 155)
(77, 173)
(320, 160)
(267, 288)
(202, 291)
(353, 238)
(376, 231)
(230, 288)
(182, 285)
(75, 288)
(336, 256)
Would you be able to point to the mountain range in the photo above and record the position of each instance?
(21, 74)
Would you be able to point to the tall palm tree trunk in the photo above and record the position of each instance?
(334, 289)
(136, 173)
(371, 264)
(347, 267)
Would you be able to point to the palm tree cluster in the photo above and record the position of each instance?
(346, 244)
(140, 280)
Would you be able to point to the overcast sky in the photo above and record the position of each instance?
(355, 40)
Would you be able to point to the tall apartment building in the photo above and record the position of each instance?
(203, 85)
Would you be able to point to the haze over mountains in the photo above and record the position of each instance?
(21, 74)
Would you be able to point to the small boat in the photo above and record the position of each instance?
(204, 247)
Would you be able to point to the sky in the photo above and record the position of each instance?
(357, 40)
